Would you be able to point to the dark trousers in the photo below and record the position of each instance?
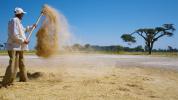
(16, 60)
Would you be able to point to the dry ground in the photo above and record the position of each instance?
(96, 77)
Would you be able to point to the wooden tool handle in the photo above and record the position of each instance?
(34, 27)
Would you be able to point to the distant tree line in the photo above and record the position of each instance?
(116, 48)
(112, 48)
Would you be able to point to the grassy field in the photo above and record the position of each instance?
(169, 54)
(2, 52)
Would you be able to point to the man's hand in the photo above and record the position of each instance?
(26, 42)
(34, 25)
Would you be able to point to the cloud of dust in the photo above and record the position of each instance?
(53, 34)
(65, 35)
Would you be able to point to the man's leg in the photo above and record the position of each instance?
(11, 70)
(16, 64)
(22, 69)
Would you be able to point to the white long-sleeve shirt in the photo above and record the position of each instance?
(16, 35)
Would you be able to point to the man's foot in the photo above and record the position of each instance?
(6, 85)
(25, 80)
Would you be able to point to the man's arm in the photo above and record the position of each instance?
(29, 28)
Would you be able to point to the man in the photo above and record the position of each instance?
(16, 45)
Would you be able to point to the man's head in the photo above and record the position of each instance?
(19, 13)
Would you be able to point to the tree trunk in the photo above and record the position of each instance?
(150, 47)
(150, 51)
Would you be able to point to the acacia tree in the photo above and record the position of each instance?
(150, 35)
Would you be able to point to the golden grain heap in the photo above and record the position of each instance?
(47, 35)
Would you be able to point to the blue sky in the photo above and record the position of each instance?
(99, 22)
